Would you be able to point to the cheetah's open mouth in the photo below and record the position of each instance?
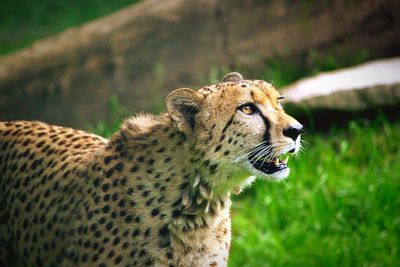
(269, 166)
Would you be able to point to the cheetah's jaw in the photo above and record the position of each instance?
(276, 168)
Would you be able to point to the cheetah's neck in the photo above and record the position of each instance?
(164, 160)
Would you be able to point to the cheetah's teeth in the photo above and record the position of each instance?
(285, 160)
(277, 161)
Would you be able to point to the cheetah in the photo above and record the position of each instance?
(157, 193)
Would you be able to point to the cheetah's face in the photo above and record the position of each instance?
(241, 123)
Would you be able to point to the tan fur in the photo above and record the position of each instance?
(157, 193)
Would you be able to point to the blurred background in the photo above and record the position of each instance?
(88, 64)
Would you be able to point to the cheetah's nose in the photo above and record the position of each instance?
(293, 131)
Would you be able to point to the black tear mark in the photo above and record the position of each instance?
(227, 125)
(267, 127)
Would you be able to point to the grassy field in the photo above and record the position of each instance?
(339, 207)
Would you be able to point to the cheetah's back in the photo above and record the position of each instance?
(39, 167)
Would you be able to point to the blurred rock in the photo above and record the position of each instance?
(144, 51)
(370, 85)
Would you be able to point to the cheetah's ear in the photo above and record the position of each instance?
(183, 105)
(233, 77)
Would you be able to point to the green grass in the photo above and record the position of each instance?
(25, 21)
(339, 207)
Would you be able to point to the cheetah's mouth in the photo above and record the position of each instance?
(269, 166)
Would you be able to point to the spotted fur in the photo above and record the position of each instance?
(156, 193)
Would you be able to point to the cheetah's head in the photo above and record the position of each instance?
(239, 124)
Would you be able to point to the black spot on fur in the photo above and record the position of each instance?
(213, 168)
(128, 219)
(155, 212)
(109, 173)
(119, 167)
(134, 169)
(106, 209)
(164, 231)
(135, 233)
(170, 255)
(147, 232)
(105, 187)
(176, 213)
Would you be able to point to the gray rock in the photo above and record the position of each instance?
(370, 85)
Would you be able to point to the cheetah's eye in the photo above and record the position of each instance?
(248, 109)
